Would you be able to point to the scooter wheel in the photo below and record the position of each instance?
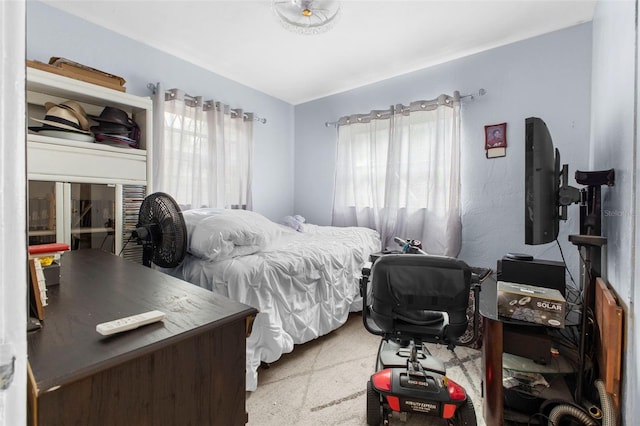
(374, 406)
(465, 415)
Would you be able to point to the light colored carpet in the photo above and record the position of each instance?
(323, 382)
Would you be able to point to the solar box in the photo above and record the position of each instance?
(524, 302)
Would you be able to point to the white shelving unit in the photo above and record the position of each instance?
(92, 167)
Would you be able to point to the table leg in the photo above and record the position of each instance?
(492, 391)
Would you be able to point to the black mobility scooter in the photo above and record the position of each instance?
(411, 299)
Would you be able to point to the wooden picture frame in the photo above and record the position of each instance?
(495, 140)
(38, 290)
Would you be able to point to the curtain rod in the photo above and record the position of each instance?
(470, 96)
(262, 120)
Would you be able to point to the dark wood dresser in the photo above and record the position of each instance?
(188, 369)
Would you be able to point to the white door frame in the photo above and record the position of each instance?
(13, 223)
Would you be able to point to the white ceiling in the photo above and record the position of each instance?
(371, 41)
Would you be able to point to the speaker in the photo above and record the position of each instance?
(524, 269)
(528, 342)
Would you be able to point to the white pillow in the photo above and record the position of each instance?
(219, 234)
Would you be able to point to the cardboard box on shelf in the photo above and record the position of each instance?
(67, 68)
(530, 303)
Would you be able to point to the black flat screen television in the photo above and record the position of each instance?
(542, 184)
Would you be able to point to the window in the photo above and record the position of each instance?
(204, 156)
(398, 173)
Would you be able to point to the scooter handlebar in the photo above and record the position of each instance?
(399, 241)
(410, 246)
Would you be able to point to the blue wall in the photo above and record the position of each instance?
(548, 76)
(51, 32)
(614, 141)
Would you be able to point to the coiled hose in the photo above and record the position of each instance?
(608, 412)
(559, 411)
(606, 403)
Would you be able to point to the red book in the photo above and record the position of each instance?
(48, 248)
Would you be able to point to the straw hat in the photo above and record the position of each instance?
(60, 118)
(75, 108)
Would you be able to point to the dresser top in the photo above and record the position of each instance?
(97, 287)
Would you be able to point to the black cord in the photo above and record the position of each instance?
(573, 299)
(588, 374)
(569, 342)
(565, 263)
(124, 246)
(531, 417)
(578, 300)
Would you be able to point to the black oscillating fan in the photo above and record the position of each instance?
(161, 231)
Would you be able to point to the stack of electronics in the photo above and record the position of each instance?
(531, 290)
(116, 129)
(536, 289)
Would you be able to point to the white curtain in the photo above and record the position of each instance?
(398, 171)
(202, 151)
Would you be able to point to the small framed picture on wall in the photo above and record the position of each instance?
(495, 140)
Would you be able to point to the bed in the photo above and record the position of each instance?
(304, 282)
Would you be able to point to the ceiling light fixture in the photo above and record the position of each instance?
(306, 16)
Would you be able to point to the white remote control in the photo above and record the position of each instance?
(129, 323)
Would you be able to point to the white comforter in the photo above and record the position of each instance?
(303, 283)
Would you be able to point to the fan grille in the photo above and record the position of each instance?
(160, 215)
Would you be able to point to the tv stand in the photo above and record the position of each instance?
(587, 240)
(494, 359)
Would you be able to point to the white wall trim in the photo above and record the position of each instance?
(13, 261)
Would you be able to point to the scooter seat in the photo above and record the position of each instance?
(394, 355)
(422, 296)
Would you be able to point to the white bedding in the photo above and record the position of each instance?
(303, 283)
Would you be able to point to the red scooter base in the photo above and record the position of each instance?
(426, 393)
